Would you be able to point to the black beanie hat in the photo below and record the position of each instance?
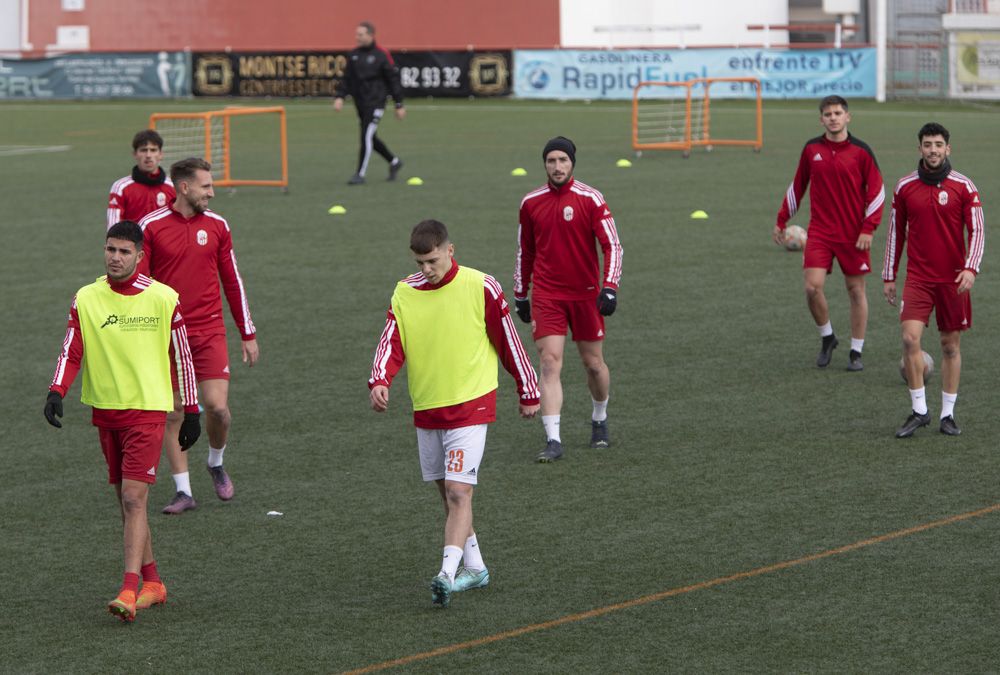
(560, 143)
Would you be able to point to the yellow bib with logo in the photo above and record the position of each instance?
(449, 356)
(126, 347)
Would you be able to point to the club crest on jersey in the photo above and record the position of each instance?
(943, 198)
(568, 213)
(161, 199)
(202, 237)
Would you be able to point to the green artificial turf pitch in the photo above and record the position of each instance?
(731, 451)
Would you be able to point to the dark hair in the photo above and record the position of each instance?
(427, 235)
(147, 136)
(368, 26)
(833, 99)
(127, 230)
(933, 129)
(186, 169)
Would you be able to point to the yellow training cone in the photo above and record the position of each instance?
(415, 181)
(518, 172)
(623, 164)
(699, 215)
(337, 210)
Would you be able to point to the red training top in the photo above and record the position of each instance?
(389, 358)
(935, 218)
(555, 243)
(71, 357)
(190, 255)
(847, 194)
(132, 199)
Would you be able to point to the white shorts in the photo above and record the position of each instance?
(452, 454)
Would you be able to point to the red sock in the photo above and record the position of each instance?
(149, 573)
(131, 582)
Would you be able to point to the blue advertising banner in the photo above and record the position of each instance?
(784, 73)
(137, 75)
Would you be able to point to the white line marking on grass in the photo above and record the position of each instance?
(11, 150)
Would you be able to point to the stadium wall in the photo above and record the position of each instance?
(304, 25)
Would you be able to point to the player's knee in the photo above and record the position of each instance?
(911, 342)
(218, 413)
(458, 494)
(949, 350)
(813, 290)
(133, 500)
(551, 363)
(594, 366)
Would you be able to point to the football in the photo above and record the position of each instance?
(795, 238)
(928, 367)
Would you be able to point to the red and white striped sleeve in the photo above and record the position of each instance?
(895, 239)
(874, 196)
(116, 203)
(524, 262)
(70, 357)
(975, 223)
(503, 334)
(795, 191)
(232, 285)
(389, 356)
(603, 224)
(183, 364)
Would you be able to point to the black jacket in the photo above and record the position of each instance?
(371, 75)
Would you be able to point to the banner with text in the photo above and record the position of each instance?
(138, 75)
(604, 74)
(298, 74)
(975, 64)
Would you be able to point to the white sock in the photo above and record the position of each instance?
(395, 161)
(948, 404)
(825, 329)
(472, 555)
(449, 562)
(918, 400)
(182, 481)
(551, 424)
(215, 456)
(600, 410)
(857, 345)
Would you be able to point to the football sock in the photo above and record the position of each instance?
(395, 161)
(130, 583)
(600, 410)
(449, 562)
(215, 456)
(551, 424)
(918, 400)
(948, 404)
(825, 329)
(183, 482)
(472, 556)
(857, 345)
(149, 572)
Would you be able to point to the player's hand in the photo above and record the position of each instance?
(864, 242)
(523, 308)
(251, 352)
(607, 301)
(400, 113)
(338, 104)
(53, 409)
(529, 410)
(965, 279)
(889, 291)
(379, 398)
(190, 430)
(778, 235)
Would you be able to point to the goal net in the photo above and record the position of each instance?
(245, 146)
(683, 115)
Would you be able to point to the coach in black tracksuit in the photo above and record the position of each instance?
(371, 75)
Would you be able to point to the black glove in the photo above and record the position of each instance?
(53, 409)
(190, 430)
(523, 309)
(607, 301)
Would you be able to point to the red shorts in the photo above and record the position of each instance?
(952, 311)
(133, 452)
(211, 358)
(552, 317)
(820, 254)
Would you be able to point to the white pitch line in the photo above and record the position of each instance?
(11, 150)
